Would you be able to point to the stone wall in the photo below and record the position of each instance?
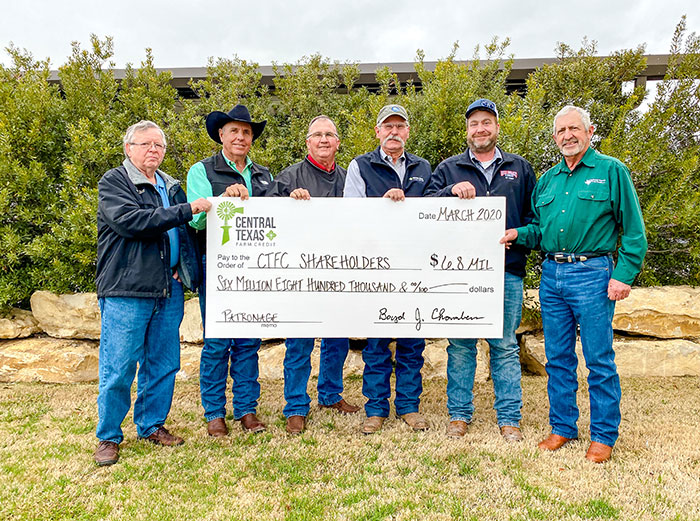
(657, 334)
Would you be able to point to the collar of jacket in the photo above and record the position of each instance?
(137, 177)
(465, 160)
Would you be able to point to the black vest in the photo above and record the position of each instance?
(221, 176)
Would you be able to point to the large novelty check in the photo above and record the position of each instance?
(423, 267)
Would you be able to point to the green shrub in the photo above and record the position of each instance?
(55, 143)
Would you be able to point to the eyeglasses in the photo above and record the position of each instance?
(320, 135)
(397, 126)
(160, 147)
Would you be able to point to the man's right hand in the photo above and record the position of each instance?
(508, 238)
(200, 205)
(464, 190)
(395, 194)
(236, 190)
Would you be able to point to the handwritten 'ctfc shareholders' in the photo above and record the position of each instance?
(423, 267)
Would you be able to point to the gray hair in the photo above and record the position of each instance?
(322, 116)
(141, 126)
(585, 116)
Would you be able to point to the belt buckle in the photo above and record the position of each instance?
(561, 258)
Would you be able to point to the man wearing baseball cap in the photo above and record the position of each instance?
(486, 170)
(389, 171)
(229, 173)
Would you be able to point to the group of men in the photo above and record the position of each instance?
(151, 242)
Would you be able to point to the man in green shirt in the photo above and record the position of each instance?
(582, 206)
(229, 173)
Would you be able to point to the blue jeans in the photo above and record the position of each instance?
(376, 378)
(505, 365)
(143, 332)
(297, 368)
(221, 356)
(571, 294)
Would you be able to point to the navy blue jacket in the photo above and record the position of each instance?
(133, 250)
(379, 177)
(513, 178)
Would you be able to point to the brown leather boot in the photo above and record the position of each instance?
(106, 453)
(162, 437)
(251, 423)
(217, 428)
(342, 407)
(457, 429)
(598, 452)
(554, 442)
(296, 424)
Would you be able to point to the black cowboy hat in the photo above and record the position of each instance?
(218, 119)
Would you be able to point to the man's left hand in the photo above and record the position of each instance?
(618, 290)
(300, 193)
(395, 194)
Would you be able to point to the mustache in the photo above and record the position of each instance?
(394, 138)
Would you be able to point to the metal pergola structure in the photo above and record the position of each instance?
(657, 65)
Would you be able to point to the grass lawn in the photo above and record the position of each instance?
(334, 472)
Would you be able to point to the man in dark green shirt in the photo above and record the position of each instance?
(582, 206)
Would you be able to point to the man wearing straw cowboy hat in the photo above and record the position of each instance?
(228, 173)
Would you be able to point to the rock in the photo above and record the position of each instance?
(67, 316)
(191, 330)
(634, 357)
(654, 357)
(661, 312)
(532, 357)
(48, 360)
(189, 361)
(270, 362)
(531, 317)
(18, 324)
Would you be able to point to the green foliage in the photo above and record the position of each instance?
(56, 142)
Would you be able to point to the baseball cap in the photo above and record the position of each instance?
(391, 110)
(483, 104)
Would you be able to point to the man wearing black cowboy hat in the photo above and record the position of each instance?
(229, 173)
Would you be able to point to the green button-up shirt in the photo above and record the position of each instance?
(198, 185)
(585, 211)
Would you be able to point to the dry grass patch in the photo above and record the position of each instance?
(334, 472)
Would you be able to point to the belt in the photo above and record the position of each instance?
(573, 257)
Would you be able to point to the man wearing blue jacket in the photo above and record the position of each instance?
(486, 170)
(389, 171)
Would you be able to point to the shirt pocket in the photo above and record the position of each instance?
(543, 204)
(593, 203)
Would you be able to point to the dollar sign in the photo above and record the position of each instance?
(433, 260)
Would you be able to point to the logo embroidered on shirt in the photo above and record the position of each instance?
(509, 174)
(596, 181)
(419, 179)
